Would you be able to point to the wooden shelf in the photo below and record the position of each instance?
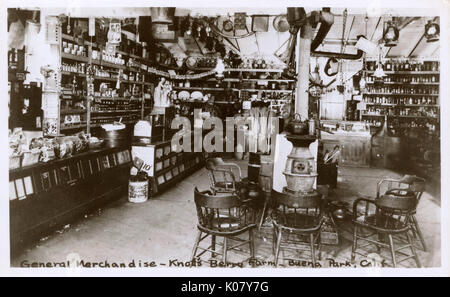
(118, 98)
(73, 73)
(406, 83)
(114, 111)
(107, 64)
(73, 111)
(253, 70)
(75, 57)
(401, 116)
(402, 105)
(73, 127)
(253, 79)
(406, 72)
(233, 89)
(404, 95)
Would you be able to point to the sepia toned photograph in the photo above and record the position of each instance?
(263, 136)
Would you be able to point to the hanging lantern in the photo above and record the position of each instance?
(390, 34)
(432, 31)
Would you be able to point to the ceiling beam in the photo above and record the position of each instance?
(375, 29)
(437, 48)
(415, 45)
(411, 51)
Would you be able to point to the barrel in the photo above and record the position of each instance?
(254, 166)
(115, 138)
(137, 189)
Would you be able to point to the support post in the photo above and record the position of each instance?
(304, 53)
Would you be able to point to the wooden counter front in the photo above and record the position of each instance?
(46, 196)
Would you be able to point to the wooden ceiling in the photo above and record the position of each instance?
(411, 43)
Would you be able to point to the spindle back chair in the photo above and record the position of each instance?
(296, 215)
(224, 216)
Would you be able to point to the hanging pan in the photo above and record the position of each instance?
(260, 23)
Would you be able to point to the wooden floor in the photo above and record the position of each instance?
(163, 229)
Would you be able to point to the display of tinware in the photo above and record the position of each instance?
(114, 59)
(73, 49)
(404, 65)
(77, 67)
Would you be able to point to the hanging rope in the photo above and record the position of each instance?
(342, 46)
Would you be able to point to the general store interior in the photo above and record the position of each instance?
(337, 162)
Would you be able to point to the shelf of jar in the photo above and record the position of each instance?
(129, 55)
(74, 57)
(253, 79)
(402, 105)
(405, 83)
(107, 64)
(114, 111)
(400, 94)
(204, 102)
(72, 97)
(400, 116)
(73, 73)
(117, 98)
(94, 125)
(71, 127)
(405, 72)
(233, 89)
(104, 78)
(72, 111)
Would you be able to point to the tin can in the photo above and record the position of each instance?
(138, 189)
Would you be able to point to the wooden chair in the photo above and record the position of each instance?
(414, 184)
(297, 217)
(224, 177)
(222, 216)
(390, 219)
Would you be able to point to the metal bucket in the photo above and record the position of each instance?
(137, 190)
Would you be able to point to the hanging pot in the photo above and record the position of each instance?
(331, 67)
(297, 126)
(228, 26)
(281, 24)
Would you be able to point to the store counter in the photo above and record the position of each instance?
(355, 146)
(46, 196)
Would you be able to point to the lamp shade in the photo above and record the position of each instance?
(379, 72)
